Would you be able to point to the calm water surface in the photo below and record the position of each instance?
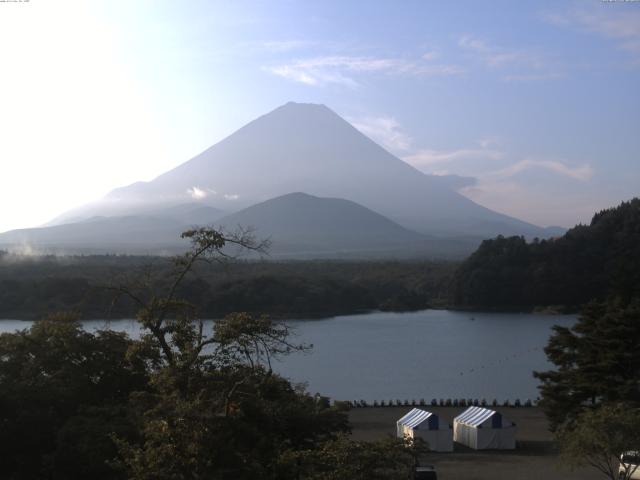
(428, 354)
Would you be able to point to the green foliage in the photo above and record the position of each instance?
(344, 459)
(597, 361)
(588, 262)
(31, 287)
(61, 395)
(215, 409)
(599, 437)
(176, 404)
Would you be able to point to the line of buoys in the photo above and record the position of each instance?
(441, 403)
(506, 359)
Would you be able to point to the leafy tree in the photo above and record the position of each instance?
(61, 395)
(180, 402)
(215, 408)
(597, 361)
(599, 437)
(344, 459)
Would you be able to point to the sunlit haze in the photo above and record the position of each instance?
(538, 103)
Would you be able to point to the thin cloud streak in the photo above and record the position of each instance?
(494, 56)
(324, 70)
(621, 25)
(385, 130)
(529, 65)
(581, 173)
(428, 157)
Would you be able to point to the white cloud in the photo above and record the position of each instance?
(485, 173)
(489, 142)
(430, 55)
(428, 157)
(581, 173)
(385, 130)
(495, 56)
(233, 196)
(499, 187)
(342, 69)
(553, 203)
(620, 24)
(558, 205)
(295, 74)
(198, 193)
(530, 65)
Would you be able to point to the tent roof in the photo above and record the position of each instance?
(474, 416)
(414, 418)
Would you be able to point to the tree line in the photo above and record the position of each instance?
(32, 287)
(590, 262)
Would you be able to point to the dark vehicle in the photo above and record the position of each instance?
(425, 472)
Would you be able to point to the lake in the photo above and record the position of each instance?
(427, 354)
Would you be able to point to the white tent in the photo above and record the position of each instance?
(482, 429)
(427, 426)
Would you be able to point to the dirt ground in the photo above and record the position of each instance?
(535, 458)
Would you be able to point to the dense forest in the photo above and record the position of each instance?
(30, 287)
(595, 261)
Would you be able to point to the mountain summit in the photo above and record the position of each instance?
(301, 147)
(355, 198)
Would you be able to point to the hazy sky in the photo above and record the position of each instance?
(539, 101)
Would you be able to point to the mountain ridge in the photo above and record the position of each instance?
(310, 148)
(304, 148)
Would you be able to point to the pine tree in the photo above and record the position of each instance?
(597, 360)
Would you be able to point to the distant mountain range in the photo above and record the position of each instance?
(357, 198)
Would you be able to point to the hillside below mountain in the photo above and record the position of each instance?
(298, 226)
(302, 225)
(589, 262)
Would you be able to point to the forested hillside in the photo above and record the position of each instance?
(31, 287)
(592, 261)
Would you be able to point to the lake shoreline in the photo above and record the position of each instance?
(313, 316)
